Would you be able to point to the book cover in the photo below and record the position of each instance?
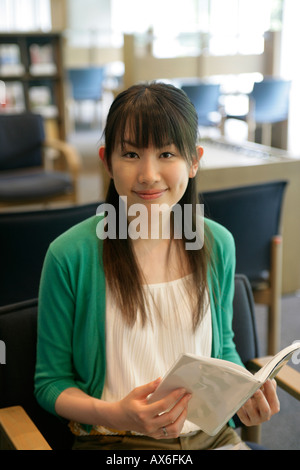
(219, 388)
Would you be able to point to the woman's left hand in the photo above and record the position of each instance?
(262, 406)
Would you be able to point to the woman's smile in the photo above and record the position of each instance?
(150, 194)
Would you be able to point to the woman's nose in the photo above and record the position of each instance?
(148, 171)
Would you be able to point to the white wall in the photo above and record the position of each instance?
(290, 68)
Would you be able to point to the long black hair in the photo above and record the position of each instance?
(159, 114)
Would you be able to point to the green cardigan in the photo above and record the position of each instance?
(71, 320)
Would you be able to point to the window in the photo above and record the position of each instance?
(173, 30)
(25, 15)
(220, 27)
(176, 28)
(89, 24)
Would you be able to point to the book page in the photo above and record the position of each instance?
(217, 388)
(185, 359)
(272, 368)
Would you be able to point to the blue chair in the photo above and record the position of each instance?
(205, 98)
(86, 84)
(253, 215)
(268, 105)
(271, 100)
(247, 344)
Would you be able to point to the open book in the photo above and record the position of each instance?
(219, 388)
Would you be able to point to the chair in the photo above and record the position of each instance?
(86, 84)
(23, 423)
(268, 105)
(205, 98)
(24, 177)
(247, 345)
(18, 331)
(253, 215)
(24, 240)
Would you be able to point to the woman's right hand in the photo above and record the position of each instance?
(162, 419)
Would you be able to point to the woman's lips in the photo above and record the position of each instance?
(150, 194)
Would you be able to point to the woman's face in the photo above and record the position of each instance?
(151, 175)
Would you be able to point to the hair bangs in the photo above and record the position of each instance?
(150, 127)
(152, 118)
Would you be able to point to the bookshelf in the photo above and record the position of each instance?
(32, 77)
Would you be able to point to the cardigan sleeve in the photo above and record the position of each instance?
(54, 371)
(222, 284)
(71, 319)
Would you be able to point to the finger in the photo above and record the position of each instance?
(144, 390)
(261, 406)
(167, 403)
(169, 428)
(172, 414)
(255, 410)
(244, 417)
(270, 394)
(173, 430)
(259, 410)
(173, 420)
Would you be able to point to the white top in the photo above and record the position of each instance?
(139, 355)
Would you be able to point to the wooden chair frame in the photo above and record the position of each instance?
(64, 157)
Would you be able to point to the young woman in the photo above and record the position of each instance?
(118, 305)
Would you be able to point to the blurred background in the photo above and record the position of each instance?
(66, 60)
(232, 43)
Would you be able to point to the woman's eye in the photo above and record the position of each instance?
(167, 155)
(130, 155)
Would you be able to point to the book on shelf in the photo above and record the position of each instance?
(42, 60)
(12, 97)
(10, 61)
(219, 388)
(40, 99)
